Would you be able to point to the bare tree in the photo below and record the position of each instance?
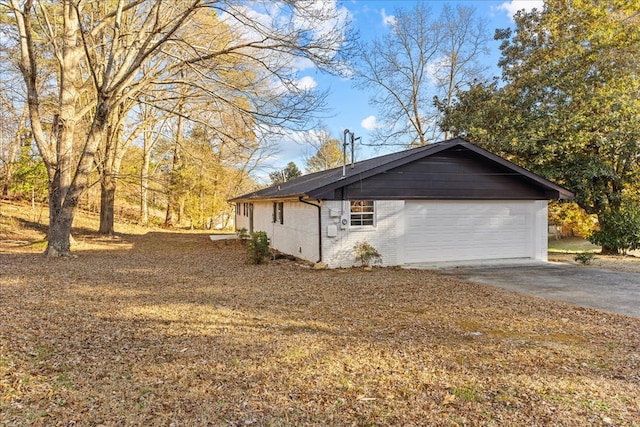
(12, 135)
(464, 42)
(102, 47)
(327, 151)
(153, 122)
(423, 56)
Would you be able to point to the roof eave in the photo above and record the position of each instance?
(254, 197)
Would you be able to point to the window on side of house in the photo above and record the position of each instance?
(278, 212)
(362, 213)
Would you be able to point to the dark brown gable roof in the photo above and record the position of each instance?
(368, 178)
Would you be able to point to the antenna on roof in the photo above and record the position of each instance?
(352, 141)
(353, 157)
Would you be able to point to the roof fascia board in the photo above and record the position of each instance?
(288, 197)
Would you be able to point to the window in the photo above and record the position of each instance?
(278, 212)
(362, 213)
(245, 209)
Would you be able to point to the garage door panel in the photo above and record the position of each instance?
(460, 230)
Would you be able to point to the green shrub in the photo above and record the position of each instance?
(619, 231)
(365, 254)
(584, 257)
(258, 247)
(243, 234)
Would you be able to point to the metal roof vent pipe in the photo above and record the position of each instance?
(352, 140)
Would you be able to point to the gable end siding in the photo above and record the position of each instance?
(445, 175)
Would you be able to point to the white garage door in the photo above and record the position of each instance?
(467, 230)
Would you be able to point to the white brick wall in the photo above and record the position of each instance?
(298, 236)
(384, 236)
(241, 221)
(540, 229)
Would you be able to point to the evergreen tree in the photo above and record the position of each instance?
(290, 172)
(569, 107)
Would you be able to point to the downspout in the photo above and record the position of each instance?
(319, 224)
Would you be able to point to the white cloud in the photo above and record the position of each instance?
(302, 64)
(387, 20)
(511, 7)
(306, 83)
(370, 123)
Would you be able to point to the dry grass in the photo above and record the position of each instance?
(629, 263)
(172, 329)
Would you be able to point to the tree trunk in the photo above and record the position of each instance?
(55, 201)
(172, 196)
(169, 220)
(181, 204)
(110, 168)
(608, 251)
(61, 213)
(60, 227)
(144, 187)
(60, 233)
(62, 207)
(108, 185)
(15, 143)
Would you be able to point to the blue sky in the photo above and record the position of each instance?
(349, 106)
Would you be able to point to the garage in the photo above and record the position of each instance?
(469, 230)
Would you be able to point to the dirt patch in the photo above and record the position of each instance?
(174, 329)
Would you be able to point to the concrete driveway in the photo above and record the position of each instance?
(612, 291)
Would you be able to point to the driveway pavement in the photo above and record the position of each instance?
(612, 291)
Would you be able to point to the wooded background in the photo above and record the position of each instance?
(161, 111)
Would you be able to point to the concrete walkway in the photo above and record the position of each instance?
(607, 290)
(215, 237)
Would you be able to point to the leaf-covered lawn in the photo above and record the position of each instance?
(172, 329)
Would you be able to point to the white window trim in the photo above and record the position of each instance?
(360, 227)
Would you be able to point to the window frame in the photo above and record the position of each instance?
(365, 214)
(278, 213)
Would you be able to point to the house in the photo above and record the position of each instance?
(445, 202)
